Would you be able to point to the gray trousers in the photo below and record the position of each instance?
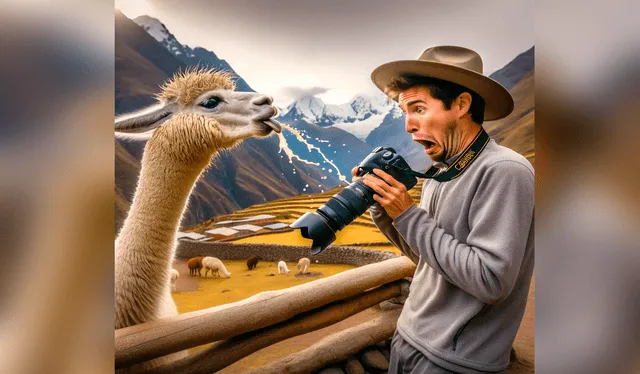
(404, 359)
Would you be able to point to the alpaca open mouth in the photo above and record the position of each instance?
(275, 125)
(267, 118)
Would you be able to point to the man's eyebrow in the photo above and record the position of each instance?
(414, 102)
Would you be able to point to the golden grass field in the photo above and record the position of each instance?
(195, 293)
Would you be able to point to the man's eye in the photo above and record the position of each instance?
(420, 110)
(210, 103)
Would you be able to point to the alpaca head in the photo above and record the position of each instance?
(198, 113)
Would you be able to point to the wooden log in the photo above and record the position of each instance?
(335, 348)
(158, 338)
(225, 353)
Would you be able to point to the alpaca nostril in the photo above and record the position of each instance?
(263, 100)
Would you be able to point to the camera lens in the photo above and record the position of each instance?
(339, 211)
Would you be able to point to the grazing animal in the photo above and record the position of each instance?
(174, 277)
(282, 268)
(216, 266)
(198, 114)
(195, 264)
(304, 265)
(252, 262)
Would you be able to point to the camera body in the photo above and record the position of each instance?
(386, 159)
(353, 200)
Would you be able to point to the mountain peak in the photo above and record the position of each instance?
(154, 27)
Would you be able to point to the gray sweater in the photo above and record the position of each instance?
(472, 241)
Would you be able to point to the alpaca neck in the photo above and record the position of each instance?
(145, 245)
(160, 199)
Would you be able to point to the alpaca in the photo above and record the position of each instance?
(197, 115)
(174, 277)
(304, 265)
(195, 264)
(282, 268)
(252, 262)
(216, 266)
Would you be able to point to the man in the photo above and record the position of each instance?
(472, 235)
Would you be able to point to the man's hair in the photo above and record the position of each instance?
(442, 90)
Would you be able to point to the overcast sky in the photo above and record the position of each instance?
(286, 48)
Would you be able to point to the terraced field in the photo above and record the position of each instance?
(362, 232)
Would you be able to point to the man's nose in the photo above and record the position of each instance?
(411, 125)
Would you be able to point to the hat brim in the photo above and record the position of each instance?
(498, 101)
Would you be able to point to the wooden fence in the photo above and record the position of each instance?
(241, 328)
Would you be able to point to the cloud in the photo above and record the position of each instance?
(298, 92)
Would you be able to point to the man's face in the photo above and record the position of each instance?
(429, 122)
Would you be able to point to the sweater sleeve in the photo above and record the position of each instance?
(385, 225)
(500, 219)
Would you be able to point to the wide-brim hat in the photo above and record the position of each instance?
(454, 64)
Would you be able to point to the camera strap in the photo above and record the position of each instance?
(461, 163)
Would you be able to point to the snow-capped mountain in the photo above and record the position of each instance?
(160, 33)
(190, 56)
(313, 110)
(359, 116)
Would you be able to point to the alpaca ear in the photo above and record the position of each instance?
(140, 124)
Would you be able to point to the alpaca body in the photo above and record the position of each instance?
(303, 265)
(282, 268)
(216, 266)
(174, 278)
(252, 262)
(195, 264)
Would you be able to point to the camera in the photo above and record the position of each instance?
(345, 206)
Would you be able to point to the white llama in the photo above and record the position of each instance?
(282, 268)
(216, 266)
(198, 114)
(173, 279)
(303, 265)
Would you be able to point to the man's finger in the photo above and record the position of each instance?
(377, 181)
(387, 178)
(375, 185)
(354, 171)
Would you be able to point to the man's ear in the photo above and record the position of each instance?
(463, 103)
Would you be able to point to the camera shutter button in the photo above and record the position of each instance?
(387, 155)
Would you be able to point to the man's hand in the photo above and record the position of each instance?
(354, 174)
(391, 194)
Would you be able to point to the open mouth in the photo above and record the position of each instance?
(425, 143)
(269, 121)
(275, 125)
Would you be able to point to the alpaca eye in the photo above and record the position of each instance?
(210, 103)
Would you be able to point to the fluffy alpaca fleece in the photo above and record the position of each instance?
(195, 264)
(252, 262)
(185, 136)
(216, 266)
(174, 278)
(304, 265)
(282, 268)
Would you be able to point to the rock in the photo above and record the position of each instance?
(373, 359)
(331, 370)
(404, 287)
(353, 366)
(388, 305)
(382, 344)
(311, 274)
(386, 353)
